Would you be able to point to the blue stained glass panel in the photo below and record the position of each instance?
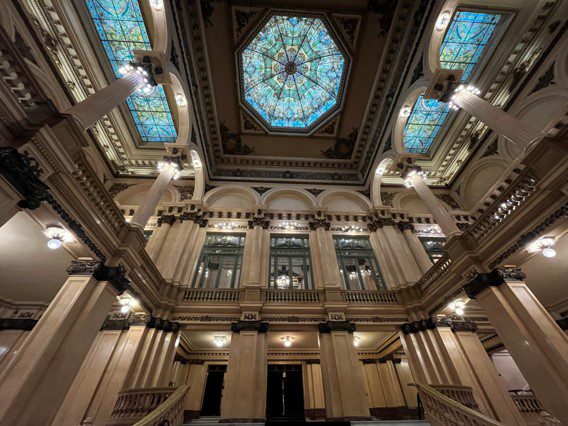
(292, 71)
(121, 29)
(466, 39)
(423, 124)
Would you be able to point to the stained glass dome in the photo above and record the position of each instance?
(292, 72)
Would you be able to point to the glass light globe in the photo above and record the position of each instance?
(54, 244)
(157, 4)
(124, 309)
(549, 252)
(459, 311)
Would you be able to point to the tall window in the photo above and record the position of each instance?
(357, 264)
(220, 261)
(434, 247)
(290, 263)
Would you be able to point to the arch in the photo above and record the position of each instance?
(161, 30)
(433, 43)
(344, 200)
(479, 179)
(410, 201)
(136, 194)
(561, 67)
(232, 196)
(385, 161)
(297, 199)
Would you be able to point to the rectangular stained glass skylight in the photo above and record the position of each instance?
(466, 40)
(423, 125)
(121, 30)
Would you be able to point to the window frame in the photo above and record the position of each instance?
(368, 254)
(276, 253)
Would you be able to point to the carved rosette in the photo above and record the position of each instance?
(316, 223)
(167, 219)
(259, 221)
(404, 226)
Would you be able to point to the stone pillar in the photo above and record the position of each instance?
(501, 122)
(38, 377)
(95, 107)
(327, 258)
(254, 258)
(314, 399)
(532, 337)
(156, 241)
(343, 382)
(418, 250)
(169, 169)
(375, 392)
(180, 371)
(391, 385)
(178, 248)
(451, 354)
(196, 380)
(244, 397)
(405, 378)
(414, 176)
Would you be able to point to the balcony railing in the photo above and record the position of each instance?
(290, 296)
(439, 269)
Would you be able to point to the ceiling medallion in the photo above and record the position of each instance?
(292, 72)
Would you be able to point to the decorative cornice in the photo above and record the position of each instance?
(259, 326)
(331, 326)
(496, 277)
(464, 326)
(404, 226)
(114, 275)
(115, 324)
(312, 361)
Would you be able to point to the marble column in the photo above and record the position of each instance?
(55, 349)
(441, 215)
(156, 241)
(343, 382)
(9, 200)
(170, 167)
(244, 396)
(532, 337)
(96, 106)
(179, 248)
(196, 380)
(405, 377)
(327, 258)
(450, 353)
(418, 250)
(314, 399)
(501, 122)
(254, 257)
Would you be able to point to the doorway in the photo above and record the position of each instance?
(285, 392)
(213, 390)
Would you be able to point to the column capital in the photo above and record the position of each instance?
(26, 324)
(174, 160)
(312, 361)
(196, 217)
(404, 226)
(409, 169)
(170, 326)
(464, 326)
(114, 275)
(259, 326)
(370, 361)
(319, 222)
(259, 221)
(138, 319)
(496, 277)
(331, 326)
(166, 218)
(22, 174)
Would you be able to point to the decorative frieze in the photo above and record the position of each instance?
(316, 223)
(331, 326)
(259, 326)
(494, 278)
(259, 221)
(166, 218)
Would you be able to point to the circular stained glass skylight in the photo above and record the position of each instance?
(292, 72)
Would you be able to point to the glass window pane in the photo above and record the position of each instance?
(359, 269)
(220, 262)
(290, 262)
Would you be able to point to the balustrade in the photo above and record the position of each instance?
(293, 296)
(369, 296)
(439, 269)
(134, 404)
(211, 295)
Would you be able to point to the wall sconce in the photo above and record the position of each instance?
(443, 20)
(57, 236)
(545, 245)
(287, 341)
(458, 306)
(220, 341)
(356, 341)
(127, 304)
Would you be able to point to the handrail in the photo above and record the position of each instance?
(369, 296)
(171, 409)
(442, 410)
(301, 296)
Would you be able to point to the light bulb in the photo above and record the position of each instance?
(287, 341)
(356, 341)
(220, 341)
(405, 111)
(549, 252)
(125, 309)
(459, 311)
(157, 4)
(54, 244)
(443, 20)
(180, 100)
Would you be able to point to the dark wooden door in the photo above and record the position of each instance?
(213, 391)
(285, 392)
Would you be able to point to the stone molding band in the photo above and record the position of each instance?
(258, 326)
(25, 324)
